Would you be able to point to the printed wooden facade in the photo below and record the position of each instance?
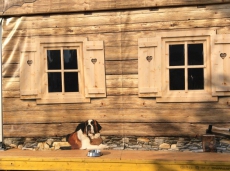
(124, 48)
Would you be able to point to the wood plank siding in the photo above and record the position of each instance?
(122, 112)
(22, 7)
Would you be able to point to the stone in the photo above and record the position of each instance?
(130, 149)
(193, 148)
(164, 146)
(58, 145)
(221, 148)
(46, 146)
(8, 141)
(20, 146)
(125, 140)
(158, 141)
(146, 146)
(63, 139)
(228, 148)
(155, 148)
(30, 144)
(225, 141)
(198, 151)
(135, 146)
(180, 144)
(122, 143)
(118, 148)
(50, 142)
(24, 148)
(144, 140)
(112, 145)
(13, 145)
(43, 146)
(174, 147)
(29, 140)
(40, 146)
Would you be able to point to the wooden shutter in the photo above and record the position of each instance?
(28, 72)
(221, 65)
(94, 69)
(149, 67)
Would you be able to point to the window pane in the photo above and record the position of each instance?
(53, 59)
(54, 82)
(195, 54)
(70, 59)
(195, 79)
(176, 79)
(71, 82)
(176, 55)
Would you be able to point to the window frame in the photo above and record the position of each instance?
(56, 97)
(175, 95)
(62, 95)
(205, 66)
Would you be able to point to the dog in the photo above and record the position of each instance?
(86, 136)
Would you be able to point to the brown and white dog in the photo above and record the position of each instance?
(86, 136)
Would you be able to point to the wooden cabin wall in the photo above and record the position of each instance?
(122, 112)
(25, 7)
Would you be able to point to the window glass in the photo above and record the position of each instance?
(186, 75)
(62, 80)
(195, 79)
(71, 82)
(53, 59)
(54, 82)
(176, 53)
(70, 59)
(195, 54)
(177, 79)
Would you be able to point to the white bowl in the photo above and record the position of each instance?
(94, 153)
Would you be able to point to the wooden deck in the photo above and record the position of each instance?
(113, 160)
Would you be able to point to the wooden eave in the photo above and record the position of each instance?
(29, 7)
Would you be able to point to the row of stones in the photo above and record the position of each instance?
(164, 143)
(122, 143)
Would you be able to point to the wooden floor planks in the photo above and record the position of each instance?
(113, 160)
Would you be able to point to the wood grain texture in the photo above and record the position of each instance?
(117, 115)
(132, 129)
(122, 111)
(53, 6)
(112, 160)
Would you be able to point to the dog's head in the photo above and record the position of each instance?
(89, 127)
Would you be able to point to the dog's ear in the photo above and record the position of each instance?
(80, 126)
(98, 126)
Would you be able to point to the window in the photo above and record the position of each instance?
(184, 66)
(62, 70)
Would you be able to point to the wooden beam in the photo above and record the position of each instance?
(47, 7)
(113, 102)
(121, 129)
(118, 115)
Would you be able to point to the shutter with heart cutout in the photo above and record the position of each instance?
(29, 86)
(94, 69)
(221, 65)
(149, 67)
